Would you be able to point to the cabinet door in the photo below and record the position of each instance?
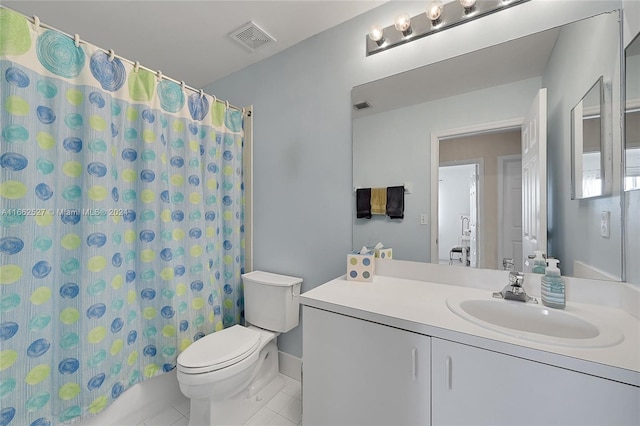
(474, 386)
(358, 372)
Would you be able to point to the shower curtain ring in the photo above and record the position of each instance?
(112, 55)
(36, 21)
(226, 104)
(76, 40)
(182, 84)
(214, 100)
(201, 93)
(136, 66)
(159, 74)
(243, 111)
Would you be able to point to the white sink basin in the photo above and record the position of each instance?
(536, 322)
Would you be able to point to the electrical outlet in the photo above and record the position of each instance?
(424, 219)
(604, 224)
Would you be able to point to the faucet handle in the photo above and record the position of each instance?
(516, 278)
(508, 264)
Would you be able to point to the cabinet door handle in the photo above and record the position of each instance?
(449, 372)
(414, 364)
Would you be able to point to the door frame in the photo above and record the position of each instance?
(435, 137)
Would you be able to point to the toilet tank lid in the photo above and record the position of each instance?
(269, 278)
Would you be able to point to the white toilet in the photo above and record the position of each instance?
(228, 375)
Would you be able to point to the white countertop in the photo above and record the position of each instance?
(420, 306)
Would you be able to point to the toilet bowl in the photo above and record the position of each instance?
(228, 375)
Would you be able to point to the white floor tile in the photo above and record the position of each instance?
(279, 401)
(262, 417)
(183, 421)
(183, 406)
(284, 409)
(165, 417)
(292, 387)
(292, 410)
(279, 420)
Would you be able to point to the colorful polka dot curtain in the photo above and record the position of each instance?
(121, 224)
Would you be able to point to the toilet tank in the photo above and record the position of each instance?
(271, 301)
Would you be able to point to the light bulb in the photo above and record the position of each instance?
(376, 34)
(403, 22)
(434, 10)
(468, 4)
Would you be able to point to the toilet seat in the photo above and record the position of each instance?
(219, 350)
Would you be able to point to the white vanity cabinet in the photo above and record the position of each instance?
(472, 386)
(358, 372)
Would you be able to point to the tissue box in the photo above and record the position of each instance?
(360, 267)
(383, 253)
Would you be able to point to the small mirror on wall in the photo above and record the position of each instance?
(587, 144)
(632, 116)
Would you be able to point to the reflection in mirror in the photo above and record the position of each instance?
(491, 89)
(479, 199)
(587, 165)
(632, 116)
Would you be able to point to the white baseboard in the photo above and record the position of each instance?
(290, 365)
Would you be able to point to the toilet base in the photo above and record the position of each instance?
(237, 409)
(232, 412)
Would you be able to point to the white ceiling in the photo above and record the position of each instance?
(187, 40)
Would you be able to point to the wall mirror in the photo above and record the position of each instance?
(427, 119)
(588, 142)
(632, 116)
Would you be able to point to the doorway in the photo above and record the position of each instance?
(490, 145)
(458, 193)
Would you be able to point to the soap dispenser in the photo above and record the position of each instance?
(553, 289)
(539, 263)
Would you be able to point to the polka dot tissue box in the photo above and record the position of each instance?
(383, 253)
(360, 266)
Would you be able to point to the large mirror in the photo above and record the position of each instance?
(632, 115)
(588, 139)
(463, 134)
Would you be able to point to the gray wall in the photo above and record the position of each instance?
(303, 200)
(393, 147)
(574, 225)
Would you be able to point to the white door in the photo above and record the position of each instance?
(534, 177)
(473, 219)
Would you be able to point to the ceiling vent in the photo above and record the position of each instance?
(251, 36)
(362, 105)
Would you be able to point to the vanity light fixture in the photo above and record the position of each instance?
(437, 17)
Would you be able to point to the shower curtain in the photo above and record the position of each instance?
(121, 224)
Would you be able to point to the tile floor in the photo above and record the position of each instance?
(284, 409)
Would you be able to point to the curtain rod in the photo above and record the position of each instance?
(136, 64)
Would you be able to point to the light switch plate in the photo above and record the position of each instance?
(605, 224)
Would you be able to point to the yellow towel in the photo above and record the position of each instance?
(378, 200)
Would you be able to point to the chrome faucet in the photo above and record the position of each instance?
(514, 290)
